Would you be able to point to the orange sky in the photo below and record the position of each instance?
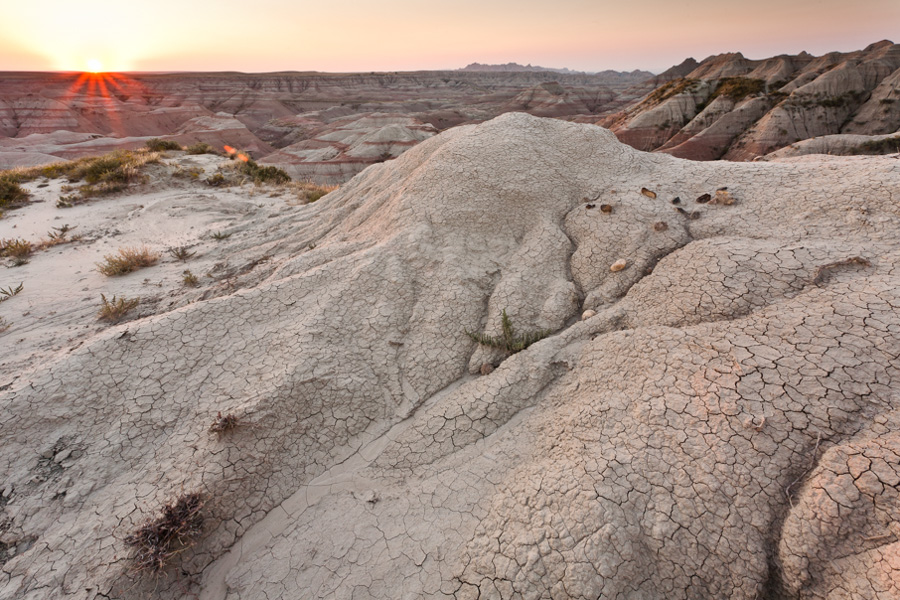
(361, 35)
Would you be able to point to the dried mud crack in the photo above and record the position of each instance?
(716, 418)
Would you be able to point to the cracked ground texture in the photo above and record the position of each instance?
(725, 424)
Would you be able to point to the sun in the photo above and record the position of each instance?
(94, 66)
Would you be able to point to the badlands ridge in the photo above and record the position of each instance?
(719, 418)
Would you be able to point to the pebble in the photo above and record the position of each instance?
(588, 314)
(660, 226)
(618, 265)
(605, 208)
(648, 193)
(62, 455)
(487, 369)
(704, 199)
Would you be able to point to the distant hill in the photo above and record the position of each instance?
(516, 67)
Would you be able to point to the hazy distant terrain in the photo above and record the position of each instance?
(326, 126)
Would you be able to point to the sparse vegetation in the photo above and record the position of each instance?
(735, 88)
(9, 292)
(57, 236)
(220, 235)
(11, 193)
(217, 180)
(308, 192)
(201, 148)
(158, 541)
(190, 279)
(509, 340)
(181, 253)
(16, 248)
(113, 310)
(882, 146)
(187, 173)
(672, 88)
(158, 145)
(260, 175)
(127, 260)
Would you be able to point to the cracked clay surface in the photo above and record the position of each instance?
(723, 423)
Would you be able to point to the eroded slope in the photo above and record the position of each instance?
(722, 423)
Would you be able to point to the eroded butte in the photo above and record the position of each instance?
(724, 425)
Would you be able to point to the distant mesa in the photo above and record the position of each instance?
(515, 67)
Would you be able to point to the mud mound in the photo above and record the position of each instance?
(721, 423)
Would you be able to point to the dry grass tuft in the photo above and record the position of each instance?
(16, 248)
(158, 541)
(222, 424)
(307, 192)
(113, 310)
(127, 260)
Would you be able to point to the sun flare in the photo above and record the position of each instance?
(94, 66)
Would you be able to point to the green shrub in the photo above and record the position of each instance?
(11, 193)
(261, 175)
(158, 145)
(201, 148)
(882, 146)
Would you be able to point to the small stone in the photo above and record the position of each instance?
(487, 369)
(648, 193)
(588, 314)
(695, 214)
(676, 200)
(605, 208)
(704, 199)
(618, 265)
(660, 226)
(62, 456)
(589, 206)
(48, 454)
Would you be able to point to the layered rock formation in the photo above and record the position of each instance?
(738, 109)
(340, 149)
(722, 422)
(262, 112)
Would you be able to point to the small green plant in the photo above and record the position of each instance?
(181, 253)
(261, 175)
(7, 293)
(216, 180)
(113, 310)
(57, 236)
(158, 145)
(158, 541)
(201, 148)
(192, 173)
(127, 260)
(219, 235)
(11, 193)
(509, 340)
(190, 279)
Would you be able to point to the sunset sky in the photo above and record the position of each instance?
(359, 35)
